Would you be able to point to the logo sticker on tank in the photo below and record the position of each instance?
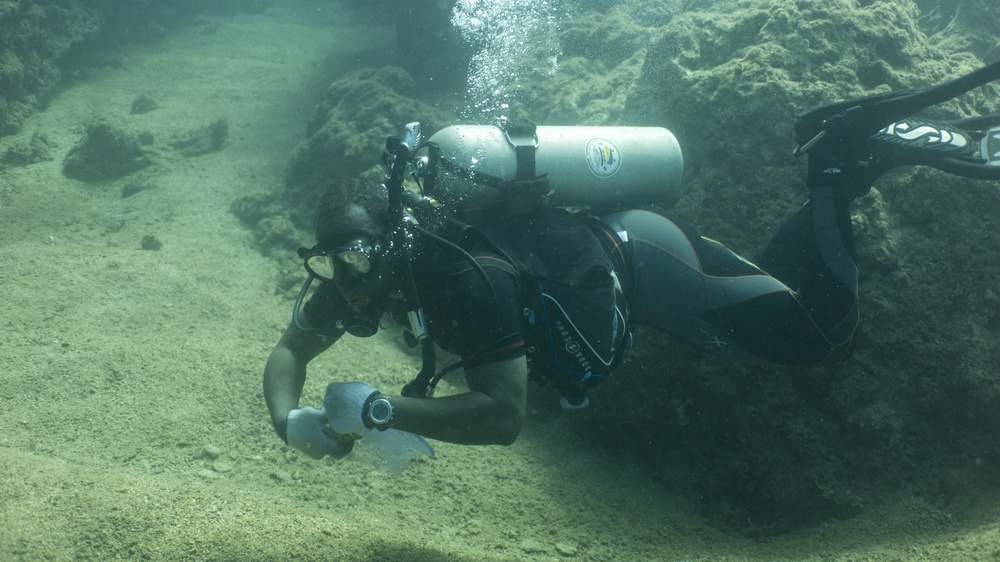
(603, 158)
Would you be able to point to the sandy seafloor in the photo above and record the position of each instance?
(133, 423)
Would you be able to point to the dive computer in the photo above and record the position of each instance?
(378, 412)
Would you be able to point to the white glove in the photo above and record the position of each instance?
(344, 404)
(305, 431)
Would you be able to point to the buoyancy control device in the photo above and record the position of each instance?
(513, 175)
(515, 165)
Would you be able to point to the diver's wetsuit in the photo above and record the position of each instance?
(670, 278)
(790, 310)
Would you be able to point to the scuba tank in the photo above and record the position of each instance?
(515, 163)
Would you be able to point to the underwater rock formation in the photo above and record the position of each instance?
(33, 38)
(348, 130)
(24, 153)
(425, 44)
(344, 138)
(770, 447)
(728, 85)
(962, 25)
(202, 140)
(350, 124)
(107, 152)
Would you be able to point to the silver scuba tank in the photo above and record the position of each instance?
(584, 166)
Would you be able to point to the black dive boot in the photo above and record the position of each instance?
(850, 144)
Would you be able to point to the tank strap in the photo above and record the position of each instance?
(522, 135)
(518, 197)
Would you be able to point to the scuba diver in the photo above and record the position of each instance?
(483, 261)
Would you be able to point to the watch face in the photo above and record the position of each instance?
(380, 411)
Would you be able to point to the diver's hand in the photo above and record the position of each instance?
(344, 404)
(306, 431)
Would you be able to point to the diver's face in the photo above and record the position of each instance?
(364, 283)
(367, 295)
(361, 268)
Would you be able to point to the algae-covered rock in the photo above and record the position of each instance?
(268, 216)
(143, 104)
(107, 152)
(344, 138)
(27, 152)
(33, 37)
(350, 125)
(729, 84)
(599, 66)
(202, 140)
(773, 448)
(347, 133)
(962, 25)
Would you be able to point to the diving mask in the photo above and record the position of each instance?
(361, 271)
(352, 260)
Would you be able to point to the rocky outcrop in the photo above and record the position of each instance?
(769, 448)
(107, 152)
(344, 138)
(33, 39)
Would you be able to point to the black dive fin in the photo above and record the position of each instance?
(860, 118)
(968, 147)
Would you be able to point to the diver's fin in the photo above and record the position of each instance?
(969, 147)
(858, 119)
